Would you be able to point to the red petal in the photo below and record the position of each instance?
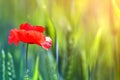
(46, 45)
(31, 37)
(13, 37)
(28, 27)
(38, 28)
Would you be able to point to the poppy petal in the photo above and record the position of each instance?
(13, 37)
(46, 45)
(31, 37)
(28, 27)
(38, 28)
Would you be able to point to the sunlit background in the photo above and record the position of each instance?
(85, 35)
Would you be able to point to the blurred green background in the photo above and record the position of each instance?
(85, 36)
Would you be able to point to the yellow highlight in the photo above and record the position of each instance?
(117, 10)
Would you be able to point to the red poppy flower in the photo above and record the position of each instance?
(31, 35)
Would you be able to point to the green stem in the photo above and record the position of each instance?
(27, 62)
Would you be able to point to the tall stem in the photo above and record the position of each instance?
(27, 62)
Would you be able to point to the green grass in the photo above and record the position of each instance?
(85, 40)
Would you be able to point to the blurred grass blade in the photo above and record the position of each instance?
(51, 67)
(94, 49)
(84, 65)
(36, 71)
(3, 65)
(10, 67)
(48, 66)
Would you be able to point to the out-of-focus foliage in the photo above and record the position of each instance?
(85, 35)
